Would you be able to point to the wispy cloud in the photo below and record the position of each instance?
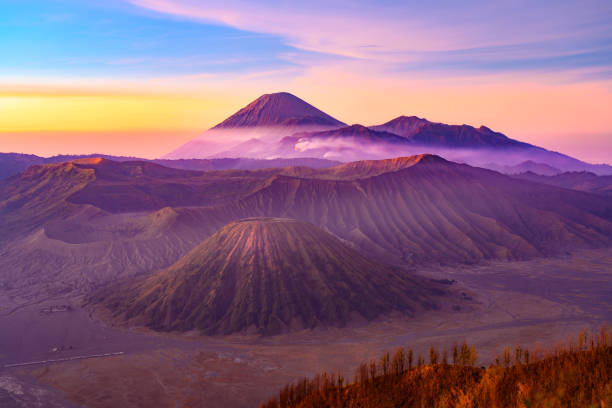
(525, 68)
(438, 36)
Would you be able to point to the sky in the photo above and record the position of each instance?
(141, 77)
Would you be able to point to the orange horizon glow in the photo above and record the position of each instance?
(572, 118)
(140, 77)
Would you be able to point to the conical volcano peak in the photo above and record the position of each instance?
(269, 275)
(278, 109)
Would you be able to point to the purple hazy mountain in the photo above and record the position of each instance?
(524, 167)
(278, 109)
(424, 132)
(409, 135)
(283, 125)
(575, 180)
(483, 147)
(267, 119)
(355, 132)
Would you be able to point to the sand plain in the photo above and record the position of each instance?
(540, 301)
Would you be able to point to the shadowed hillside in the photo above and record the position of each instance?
(268, 275)
(577, 180)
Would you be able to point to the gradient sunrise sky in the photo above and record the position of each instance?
(141, 77)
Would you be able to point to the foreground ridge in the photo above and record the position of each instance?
(574, 375)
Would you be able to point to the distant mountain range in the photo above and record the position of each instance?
(287, 131)
(421, 131)
(269, 275)
(524, 167)
(282, 125)
(14, 163)
(578, 180)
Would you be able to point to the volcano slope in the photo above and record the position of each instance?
(269, 117)
(268, 275)
(425, 209)
(82, 224)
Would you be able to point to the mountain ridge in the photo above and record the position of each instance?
(65, 223)
(422, 131)
(15, 163)
(577, 180)
(356, 131)
(274, 120)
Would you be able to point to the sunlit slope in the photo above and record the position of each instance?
(268, 275)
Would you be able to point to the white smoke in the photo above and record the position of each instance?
(273, 142)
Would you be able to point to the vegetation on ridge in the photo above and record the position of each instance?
(578, 374)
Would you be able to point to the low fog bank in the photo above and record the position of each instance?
(254, 142)
(282, 142)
